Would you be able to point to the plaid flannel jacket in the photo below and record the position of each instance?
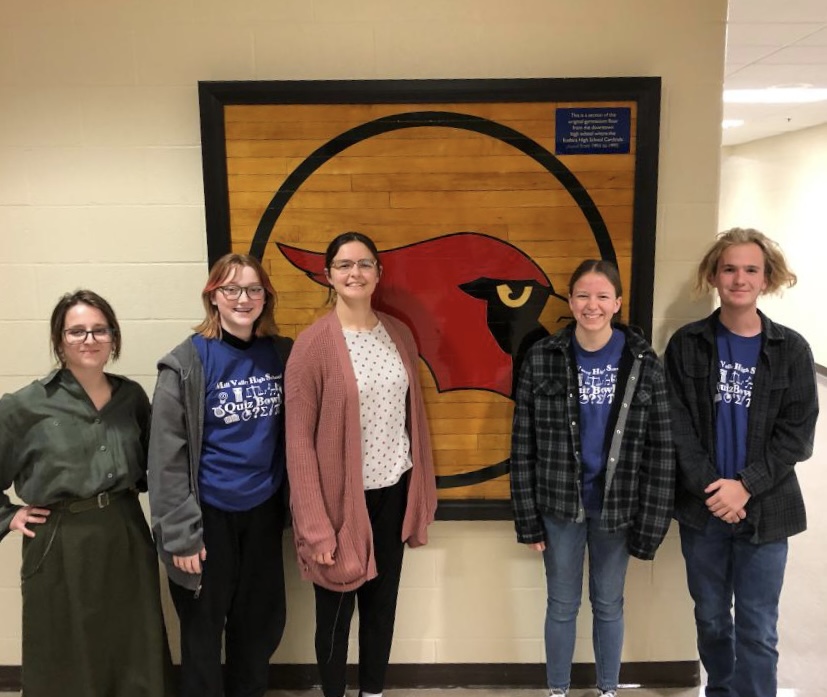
(545, 446)
(780, 426)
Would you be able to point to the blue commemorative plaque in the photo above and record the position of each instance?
(593, 130)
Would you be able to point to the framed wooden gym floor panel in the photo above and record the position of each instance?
(482, 197)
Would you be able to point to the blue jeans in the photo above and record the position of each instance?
(740, 656)
(564, 557)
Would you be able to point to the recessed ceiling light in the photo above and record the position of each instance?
(732, 123)
(776, 95)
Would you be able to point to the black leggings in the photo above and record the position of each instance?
(377, 602)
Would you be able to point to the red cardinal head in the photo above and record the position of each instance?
(469, 299)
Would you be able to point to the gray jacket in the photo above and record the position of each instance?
(175, 454)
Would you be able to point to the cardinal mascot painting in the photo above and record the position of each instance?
(475, 301)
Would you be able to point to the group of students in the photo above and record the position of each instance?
(606, 447)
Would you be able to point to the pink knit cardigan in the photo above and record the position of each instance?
(324, 455)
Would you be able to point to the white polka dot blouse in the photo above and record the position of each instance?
(383, 389)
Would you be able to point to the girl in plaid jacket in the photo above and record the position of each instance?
(592, 466)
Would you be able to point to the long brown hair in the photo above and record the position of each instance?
(226, 266)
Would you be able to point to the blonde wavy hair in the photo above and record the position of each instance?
(776, 271)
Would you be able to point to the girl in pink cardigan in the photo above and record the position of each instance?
(359, 464)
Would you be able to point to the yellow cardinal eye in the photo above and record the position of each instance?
(506, 295)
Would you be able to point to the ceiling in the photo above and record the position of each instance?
(775, 43)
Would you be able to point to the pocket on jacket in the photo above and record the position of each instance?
(696, 369)
(780, 381)
(351, 561)
(549, 388)
(37, 548)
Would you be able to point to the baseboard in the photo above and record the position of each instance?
(496, 675)
(9, 678)
(445, 675)
(821, 370)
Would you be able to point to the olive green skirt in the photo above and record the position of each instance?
(92, 622)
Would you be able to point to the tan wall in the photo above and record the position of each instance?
(777, 185)
(100, 185)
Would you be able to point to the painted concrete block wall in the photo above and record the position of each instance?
(777, 185)
(100, 186)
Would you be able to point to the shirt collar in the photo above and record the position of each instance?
(51, 377)
(62, 376)
(769, 329)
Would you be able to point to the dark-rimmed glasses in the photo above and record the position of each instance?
(234, 292)
(77, 335)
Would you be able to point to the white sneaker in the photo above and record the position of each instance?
(608, 693)
(554, 692)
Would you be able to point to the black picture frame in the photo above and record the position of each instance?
(645, 92)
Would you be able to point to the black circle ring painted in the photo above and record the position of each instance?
(441, 119)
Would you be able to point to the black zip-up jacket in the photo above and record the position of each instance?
(780, 425)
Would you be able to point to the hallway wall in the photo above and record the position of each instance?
(778, 186)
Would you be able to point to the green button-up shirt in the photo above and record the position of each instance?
(55, 445)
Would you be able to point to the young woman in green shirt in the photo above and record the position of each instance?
(74, 445)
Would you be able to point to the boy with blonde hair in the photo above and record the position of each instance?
(744, 407)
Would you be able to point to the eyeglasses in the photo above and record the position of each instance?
(348, 264)
(77, 335)
(234, 292)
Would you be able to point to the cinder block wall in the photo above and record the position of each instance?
(100, 186)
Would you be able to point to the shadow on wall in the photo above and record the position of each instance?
(687, 307)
